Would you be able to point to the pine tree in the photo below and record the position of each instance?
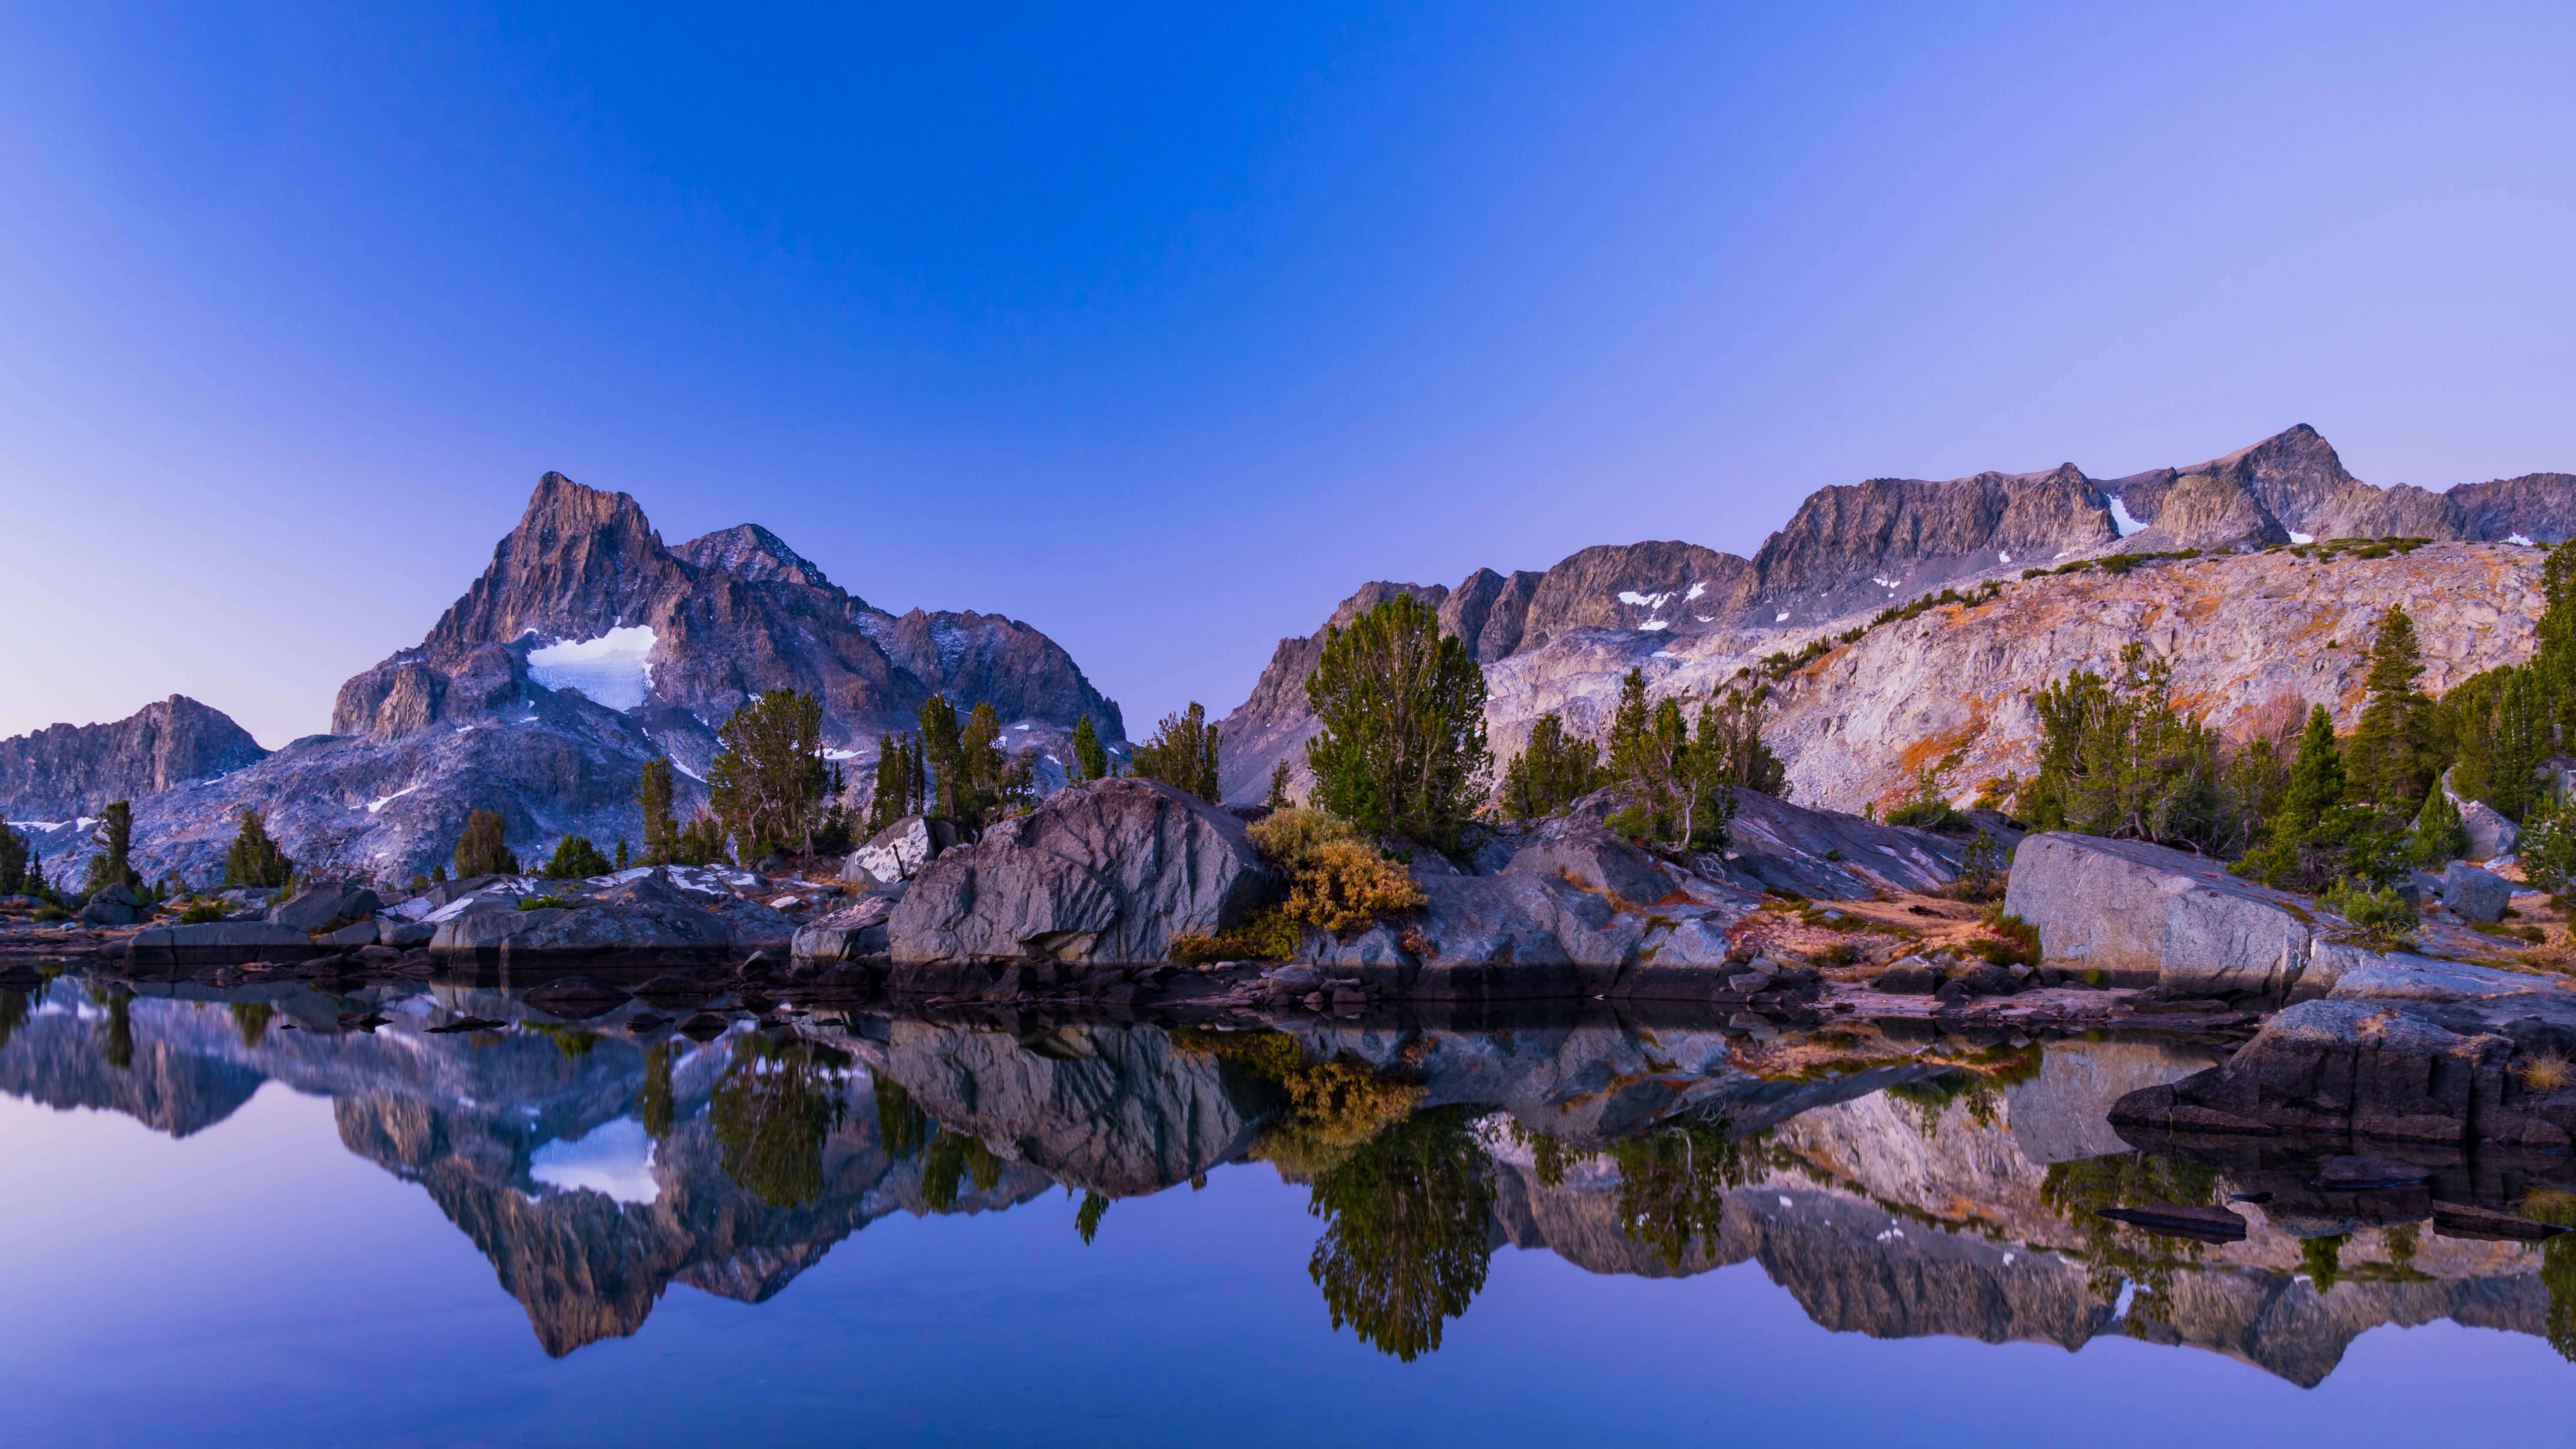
(654, 795)
(2391, 748)
(1402, 750)
(255, 860)
(1182, 753)
(2439, 836)
(622, 859)
(113, 865)
(1632, 731)
(1278, 799)
(1090, 757)
(482, 850)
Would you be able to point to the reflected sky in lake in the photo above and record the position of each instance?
(517, 1238)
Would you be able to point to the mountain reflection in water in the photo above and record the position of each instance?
(1895, 1188)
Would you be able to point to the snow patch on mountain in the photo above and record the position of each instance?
(613, 669)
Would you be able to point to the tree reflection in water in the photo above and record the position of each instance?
(901, 1125)
(771, 1114)
(2115, 1254)
(1406, 1243)
(1672, 1186)
(116, 1039)
(952, 1155)
(15, 1008)
(251, 1019)
(660, 1104)
(2557, 1267)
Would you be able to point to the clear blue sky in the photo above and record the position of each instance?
(1162, 329)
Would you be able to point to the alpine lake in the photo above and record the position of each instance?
(407, 1212)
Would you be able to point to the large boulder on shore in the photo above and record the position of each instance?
(326, 907)
(1107, 872)
(2406, 1049)
(2490, 834)
(115, 905)
(1522, 935)
(2143, 915)
(2474, 894)
(853, 931)
(219, 943)
(898, 852)
(638, 931)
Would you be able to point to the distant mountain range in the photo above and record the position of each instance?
(588, 646)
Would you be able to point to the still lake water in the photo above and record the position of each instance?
(230, 1221)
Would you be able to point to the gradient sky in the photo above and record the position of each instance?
(1164, 329)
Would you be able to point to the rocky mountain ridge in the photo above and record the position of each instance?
(585, 649)
(64, 772)
(583, 595)
(1692, 618)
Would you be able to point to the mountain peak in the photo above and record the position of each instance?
(580, 560)
(753, 553)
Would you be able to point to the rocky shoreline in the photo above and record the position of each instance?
(1078, 908)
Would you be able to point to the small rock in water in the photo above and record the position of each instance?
(469, 1023)
(2459, 1220)
(704, 1026)
(2174, 1220)
(2366, 1174)
(576, 991)
(366, 1021)
(647, 1021)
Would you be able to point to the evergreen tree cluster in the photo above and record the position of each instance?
(1182, 753)
(1679, 780)
(577, 859)
(902, 782)
(969, 776)
(2119, 758)
(769, 782)
(1556, 770)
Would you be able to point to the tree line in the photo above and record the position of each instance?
(2307, 808)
